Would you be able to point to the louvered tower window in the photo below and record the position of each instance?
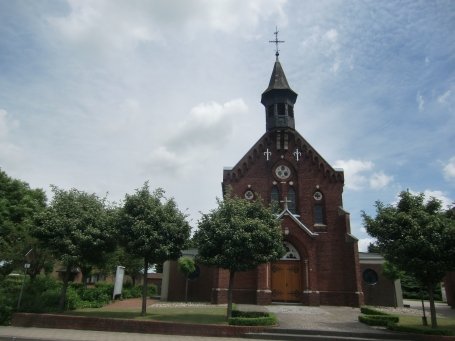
(291, 197)
(281, 108)
(290, 111)
(271, 110)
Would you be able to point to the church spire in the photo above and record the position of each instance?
(279, 98)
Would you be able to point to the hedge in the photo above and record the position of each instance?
(372, 320)
(405, 329)
(370, 311)
(252, 318)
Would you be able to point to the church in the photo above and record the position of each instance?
(321, 266)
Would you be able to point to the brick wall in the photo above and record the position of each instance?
(333, 262)
(381, 293)
(129, 326)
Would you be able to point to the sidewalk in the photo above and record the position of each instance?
(289, 317)
(442, 309)
(44, 334)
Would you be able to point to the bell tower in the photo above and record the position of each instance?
(279, 99)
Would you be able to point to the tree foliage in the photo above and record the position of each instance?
(415, 236)
(238, 236)
(152, 227)
(77, 228)
(18, 205)
(186, 266)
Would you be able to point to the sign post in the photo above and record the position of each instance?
(26, 266)
(118, 285)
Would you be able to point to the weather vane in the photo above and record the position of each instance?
(276, 41)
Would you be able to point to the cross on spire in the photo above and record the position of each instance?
(276, 41)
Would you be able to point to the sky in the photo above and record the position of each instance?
(103, 95)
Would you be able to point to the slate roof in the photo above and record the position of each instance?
(278, 78)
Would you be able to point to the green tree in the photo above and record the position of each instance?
(417, 237)
(153, 228)
(392, 272)
(238, 236)
(77, 228)
(186, 266)
(373, 248)
(18, 205)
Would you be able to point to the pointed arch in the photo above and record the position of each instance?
(275, 196)
(291, 196)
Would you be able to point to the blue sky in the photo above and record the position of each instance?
(104, 95)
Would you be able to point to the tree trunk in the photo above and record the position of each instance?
(61, 304)
(231, 287)
(186, 289)
(434, 323)
(144, 288)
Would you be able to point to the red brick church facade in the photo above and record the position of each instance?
(321, 266)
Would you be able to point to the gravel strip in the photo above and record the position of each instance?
(405, 311)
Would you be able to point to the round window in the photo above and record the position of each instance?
(283, 172)
(370, 276)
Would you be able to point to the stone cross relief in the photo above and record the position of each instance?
(297, 154)
(285, 201)
(268, 154)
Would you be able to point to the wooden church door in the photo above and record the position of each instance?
(286, 281)
(286, 276)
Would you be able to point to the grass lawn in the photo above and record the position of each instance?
(416, 321)
(182, 315)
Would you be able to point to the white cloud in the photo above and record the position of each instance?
(449, 170)
(331, 35)
(420, 100)
(197, 139)
(438, 195)
(428, 194)
(379, 180)
(9, 152)
(208, 124)
(106, 24)
(357, 177)
(6, 124)
(427, 61)
(442, 99)
(364, 242)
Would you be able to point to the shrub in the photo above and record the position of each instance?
(136, 291)
(128, 284)
(405, 329)
(372, 320)
(6, 309)
(96, 297)
(370, 311)
(126, 293)
(249, 314)
(152, 290)
(243, 319)
(107, 288)
(72, 299)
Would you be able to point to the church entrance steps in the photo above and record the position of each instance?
(321, 335)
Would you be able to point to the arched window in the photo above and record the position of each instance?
(275, 196)
(291, 197)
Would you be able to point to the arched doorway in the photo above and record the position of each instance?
(286, 276)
